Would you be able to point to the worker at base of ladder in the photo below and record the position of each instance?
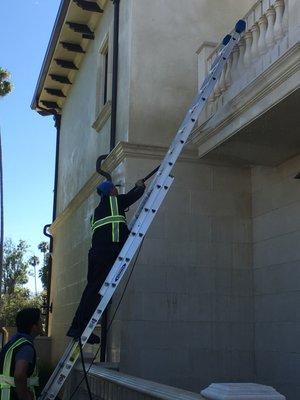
(18, 370)
(109, 235)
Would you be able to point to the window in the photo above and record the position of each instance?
(103, 89)
(105, 76)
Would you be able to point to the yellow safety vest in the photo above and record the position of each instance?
(115, 219)
(7, 382)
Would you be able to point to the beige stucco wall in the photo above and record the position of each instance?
(165, 37)
(80, 144)
(71, 244)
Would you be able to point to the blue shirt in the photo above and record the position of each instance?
(26, 352)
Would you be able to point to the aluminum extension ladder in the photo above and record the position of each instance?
(145, 213)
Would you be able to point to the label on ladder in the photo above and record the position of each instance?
(145, 214)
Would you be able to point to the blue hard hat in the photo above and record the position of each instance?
(104, 188)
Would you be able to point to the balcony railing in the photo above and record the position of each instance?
(266, 38)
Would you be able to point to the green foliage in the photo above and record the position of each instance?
(15, 271)
(15, 268)
(12, 303)
(5, 84)
(44, 270)
(34, 261)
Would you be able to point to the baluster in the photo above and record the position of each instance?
(210, 105)
(217, 90)
(278, 28)
(270, 39)
(235, 57)
(208, 63)
(222, 85)
(240, 63)
(255, 37)
(248, 43)
(285, 25)
(228, 72)
(262, 24)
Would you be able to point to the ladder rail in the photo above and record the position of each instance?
(59, 365)
(143, 217)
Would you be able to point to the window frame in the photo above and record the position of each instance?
(103, 87)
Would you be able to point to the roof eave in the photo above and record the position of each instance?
(61, 15)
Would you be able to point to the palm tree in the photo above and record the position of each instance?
(5, 88)
(34, 261)
(5, 84)
(1, 218)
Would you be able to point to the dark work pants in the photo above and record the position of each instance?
(100, 261)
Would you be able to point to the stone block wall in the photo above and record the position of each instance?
(71, 244)
(276, 261)
(187, 316)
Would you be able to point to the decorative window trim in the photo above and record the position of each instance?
(104, 44)
(103, 50)
(102, 117)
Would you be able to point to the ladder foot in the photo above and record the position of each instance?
(240, 26)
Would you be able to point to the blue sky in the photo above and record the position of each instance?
(28, 140)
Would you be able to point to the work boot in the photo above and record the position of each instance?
(93, 339)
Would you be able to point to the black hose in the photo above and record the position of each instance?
(78, 385)
(125, 287)
(84, 371)
(150, 174)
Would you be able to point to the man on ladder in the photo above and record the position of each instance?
(109, 235)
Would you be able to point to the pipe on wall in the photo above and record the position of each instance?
(113, 126)
(57, 124)
(113, 129)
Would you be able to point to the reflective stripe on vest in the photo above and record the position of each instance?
(114, 208)
(7, 381)
(114, 219)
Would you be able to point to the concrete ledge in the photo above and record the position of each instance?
(140, 386)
